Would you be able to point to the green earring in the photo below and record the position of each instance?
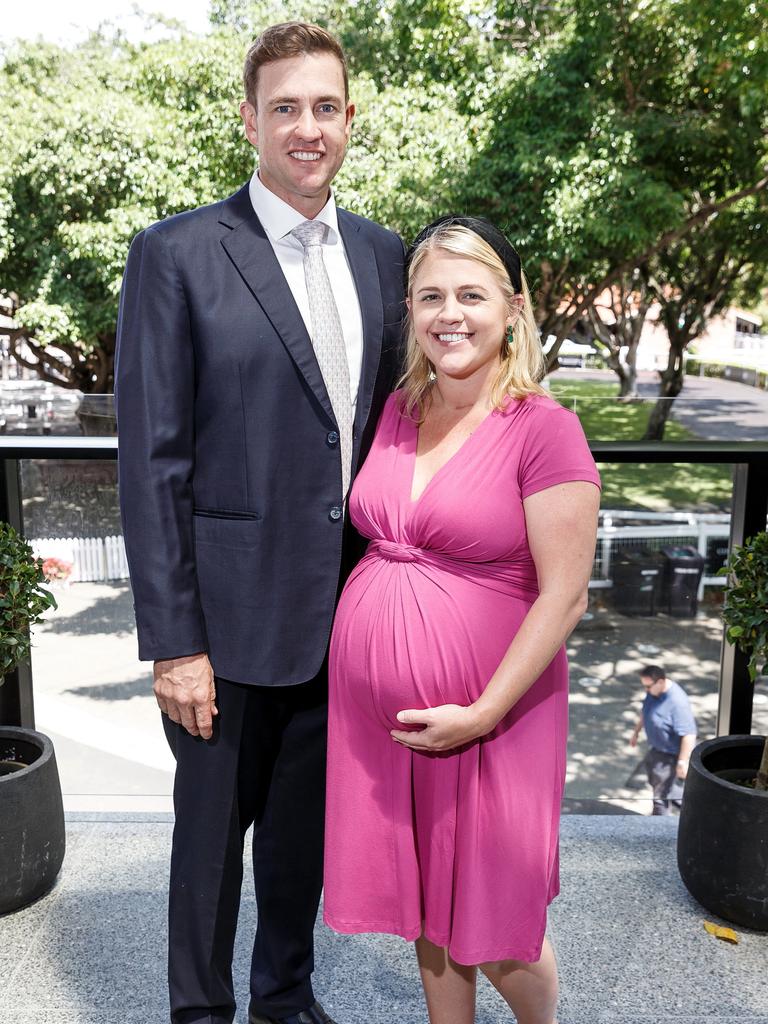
(509, 335)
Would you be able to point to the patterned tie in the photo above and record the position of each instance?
(327, 338)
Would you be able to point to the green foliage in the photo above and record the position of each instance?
(699, 276)
(587, 130)
(415, 43)
(407, 144)
(746, 602)
(106, 140)
(23, 599)
(614, 128)
(96, 144)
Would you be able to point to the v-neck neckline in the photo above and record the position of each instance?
(413, 502)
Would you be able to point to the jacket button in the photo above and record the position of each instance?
(335, 514)
(332, 438)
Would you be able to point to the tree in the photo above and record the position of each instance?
(598, 135)
(626, 128)
(108, 138)
(412, 43)
(616, 320)
(695, 279)
(98, 142)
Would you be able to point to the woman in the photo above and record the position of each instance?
(448, 704)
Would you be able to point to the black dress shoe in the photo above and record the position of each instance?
(314, 1015)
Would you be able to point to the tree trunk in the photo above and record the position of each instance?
(670, 387)
(628, 382)
(628, 376)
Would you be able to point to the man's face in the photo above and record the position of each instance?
(653, 686)
(301, 127)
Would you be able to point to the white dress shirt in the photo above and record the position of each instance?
(278, 220)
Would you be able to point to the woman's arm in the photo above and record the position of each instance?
(562, 527)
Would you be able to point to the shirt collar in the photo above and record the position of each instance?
(279, 218)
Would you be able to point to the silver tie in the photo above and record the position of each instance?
(328, 338)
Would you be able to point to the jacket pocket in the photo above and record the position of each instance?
(238, 533)
(224, 513)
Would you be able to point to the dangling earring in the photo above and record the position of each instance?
(509, 335)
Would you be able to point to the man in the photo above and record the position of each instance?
(671, 731)
(258, 339)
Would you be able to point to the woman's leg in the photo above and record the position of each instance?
(449, 988)
(529, 989)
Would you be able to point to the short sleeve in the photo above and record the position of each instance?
(683, 721)
(555, 450)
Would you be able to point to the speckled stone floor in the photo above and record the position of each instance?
(630, 941)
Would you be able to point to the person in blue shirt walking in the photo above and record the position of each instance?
(671, 731)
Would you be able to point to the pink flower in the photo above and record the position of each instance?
(56, 569)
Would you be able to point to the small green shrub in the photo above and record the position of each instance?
(745, 610)
(23, 599)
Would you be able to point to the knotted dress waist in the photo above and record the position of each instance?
(509, 577)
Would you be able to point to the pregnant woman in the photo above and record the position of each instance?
(449, 682)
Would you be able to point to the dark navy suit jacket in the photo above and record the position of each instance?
(229, 463)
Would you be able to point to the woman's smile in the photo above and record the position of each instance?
(452, 337)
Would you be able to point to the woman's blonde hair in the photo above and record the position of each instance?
(522, 361)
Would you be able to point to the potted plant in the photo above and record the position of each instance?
(32, 839)
(722, 846)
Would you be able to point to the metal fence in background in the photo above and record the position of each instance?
(622, 530)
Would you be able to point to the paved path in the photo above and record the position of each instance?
(714, 409)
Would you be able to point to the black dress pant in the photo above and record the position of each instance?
(265, 765)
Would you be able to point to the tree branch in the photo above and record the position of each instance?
(702, 215)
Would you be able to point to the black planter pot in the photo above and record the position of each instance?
(722, 841)
(32, 839)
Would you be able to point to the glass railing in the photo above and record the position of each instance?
(94, 697)
(655, 598)
(707, 409)
(31, 408)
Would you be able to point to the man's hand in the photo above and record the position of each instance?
(445, 727)
(636, 733)
(185, 691)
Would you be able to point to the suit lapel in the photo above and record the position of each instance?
(249, 249)
(365, 273)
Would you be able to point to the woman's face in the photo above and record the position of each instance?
(459, 314)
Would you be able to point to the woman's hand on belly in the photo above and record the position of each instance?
(443, 728)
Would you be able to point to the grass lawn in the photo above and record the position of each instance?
(658, 487)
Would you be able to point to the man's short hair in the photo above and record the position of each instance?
(289, 39)
(654, 672)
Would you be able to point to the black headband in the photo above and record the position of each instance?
(487, 231)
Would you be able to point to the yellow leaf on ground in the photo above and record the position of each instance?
(726, 934)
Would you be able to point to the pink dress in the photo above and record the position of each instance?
(460, 846)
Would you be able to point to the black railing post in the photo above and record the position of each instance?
(748, 517)
(16, 704)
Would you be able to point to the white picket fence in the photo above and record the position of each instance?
(93, 558)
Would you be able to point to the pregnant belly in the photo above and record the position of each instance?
(408, 635)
